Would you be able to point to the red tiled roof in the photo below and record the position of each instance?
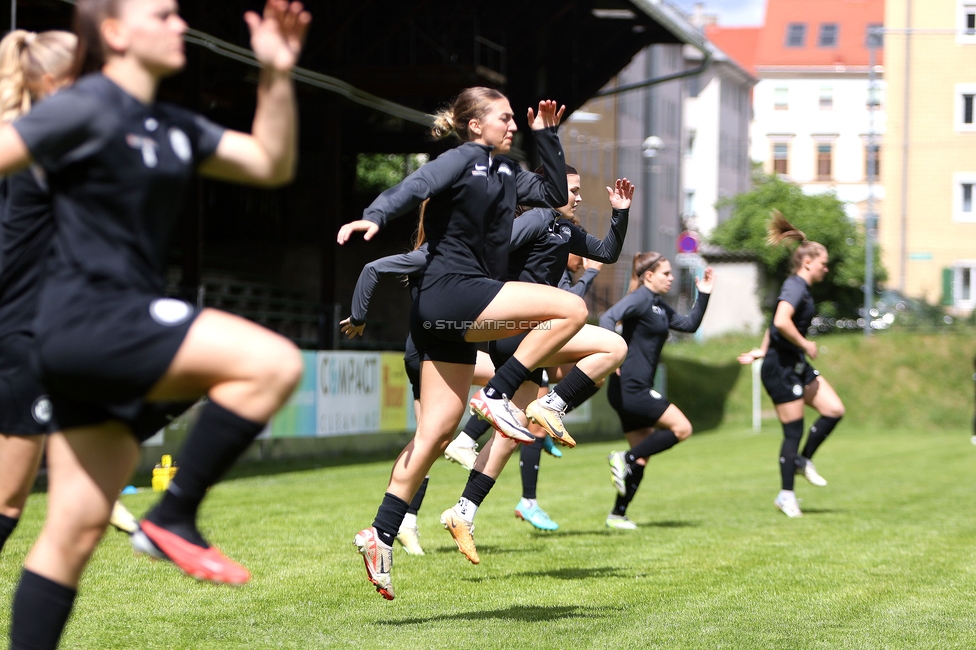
(851, 16)
(738, 42)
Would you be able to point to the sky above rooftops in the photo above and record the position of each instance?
(731, 13)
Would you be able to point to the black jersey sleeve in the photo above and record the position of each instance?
(433, 178)
(402, 264)
(691, 322)
(205, 137)
(528, 227)
(628, 306)
(63, 128)
(582, 286)
(550, 190)
(793, 291)
(605, 250)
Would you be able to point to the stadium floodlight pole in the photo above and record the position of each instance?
(870, 218)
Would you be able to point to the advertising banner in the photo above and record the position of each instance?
(347, 393)
(297, 417)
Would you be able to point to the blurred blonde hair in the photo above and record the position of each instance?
(25, 57)
(781, 230)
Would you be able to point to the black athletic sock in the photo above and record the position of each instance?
(7, 525)
(633, 482)
(582, 396)
(529, 463)
(818, 433)
(660, 440)
(575, 383)
(792, 432)
(39, 613)
(216, 441)
(477, 487)
(507, 379)
(475, 427)
(418, 499)
(389, 517)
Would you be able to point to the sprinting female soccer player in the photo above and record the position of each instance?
(651, 423)
(462, 299)
(788, 377)
(32, 66)
(115, 354)
(542, 240)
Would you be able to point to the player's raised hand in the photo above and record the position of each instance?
(548, 115)
(621, 194)
(278, 34)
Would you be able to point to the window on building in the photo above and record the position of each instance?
(962, 197)
(963, 275)
(781, 156)
(826, 98)
(872, 162)
(874, 36)
(781, 99)
(828, 35)
(966, 21)
(796, 34)
(825, 154)
(965, 111)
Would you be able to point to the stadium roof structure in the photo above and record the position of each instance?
(372, 71)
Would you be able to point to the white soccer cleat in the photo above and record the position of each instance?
(462, 455)
(500, 413)
(409, 538)
(788, 504)
(619, 471)
(805, 468)
(378, 558)
(122, 520)
(620, 522)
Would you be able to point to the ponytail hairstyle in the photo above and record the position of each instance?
(643, 262)
(25, 58)
(781, 230)
(419, 236)
(471, 104)
(87, 25)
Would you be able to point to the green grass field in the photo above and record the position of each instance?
(883, 558)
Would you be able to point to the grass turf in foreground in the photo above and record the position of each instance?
(883, 558)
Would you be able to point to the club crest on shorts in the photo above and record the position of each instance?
(170, 311)
(655, 394)
(42, 410)
(181, 144)
(797, 390)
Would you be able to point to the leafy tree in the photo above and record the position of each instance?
(376, 172)
(822, 218)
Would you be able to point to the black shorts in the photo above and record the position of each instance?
(637, 407)
(411, 363)
(103, 350)
(25, 409)
(502, 350)
(444, 311)
(785, 374)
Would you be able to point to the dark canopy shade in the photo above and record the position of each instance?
(414, 53)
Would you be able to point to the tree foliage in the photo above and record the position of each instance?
(376, 172)
(822, 218)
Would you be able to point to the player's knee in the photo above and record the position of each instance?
(576, 311)
(617, 348)
(282, 366)
(683, 431)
